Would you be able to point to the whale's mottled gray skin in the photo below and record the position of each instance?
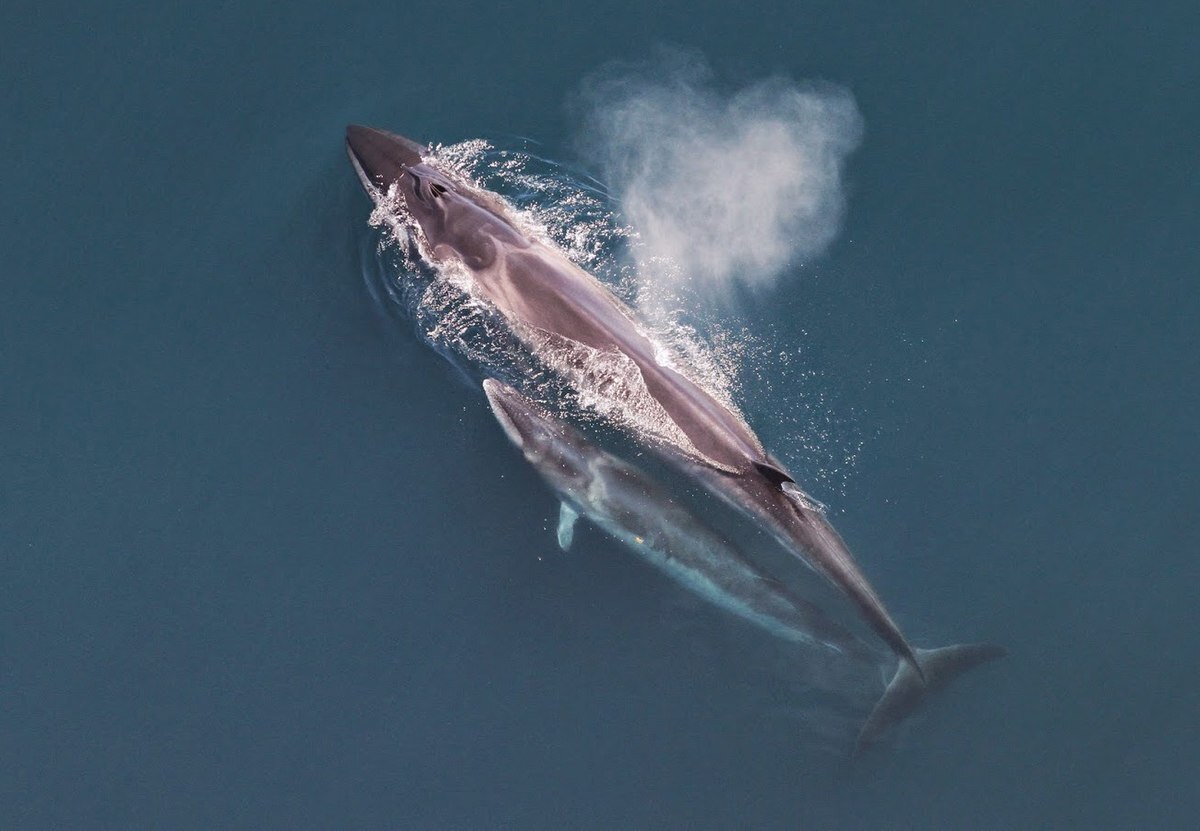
(630, 507)
(538, 288)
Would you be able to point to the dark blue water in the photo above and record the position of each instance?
(268, 563)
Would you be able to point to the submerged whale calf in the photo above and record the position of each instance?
(550, 302)
(630, 507)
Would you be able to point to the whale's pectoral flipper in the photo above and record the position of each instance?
(907, 692)
(567, 516)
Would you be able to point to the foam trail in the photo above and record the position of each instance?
(723, 190)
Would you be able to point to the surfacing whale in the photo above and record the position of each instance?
(552, 304)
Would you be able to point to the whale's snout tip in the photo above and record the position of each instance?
(381, 157)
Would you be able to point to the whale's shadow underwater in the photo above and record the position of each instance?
(557, 321)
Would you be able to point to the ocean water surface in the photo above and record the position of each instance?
(268, 562)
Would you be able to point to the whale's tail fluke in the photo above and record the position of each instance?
(907, 692)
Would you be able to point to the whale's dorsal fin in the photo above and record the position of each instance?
(773, 474)
(567, 516)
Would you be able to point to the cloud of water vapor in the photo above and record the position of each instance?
(722, 189)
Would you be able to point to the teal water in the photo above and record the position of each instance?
(268, 563)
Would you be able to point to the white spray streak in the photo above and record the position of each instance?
(722, 190)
